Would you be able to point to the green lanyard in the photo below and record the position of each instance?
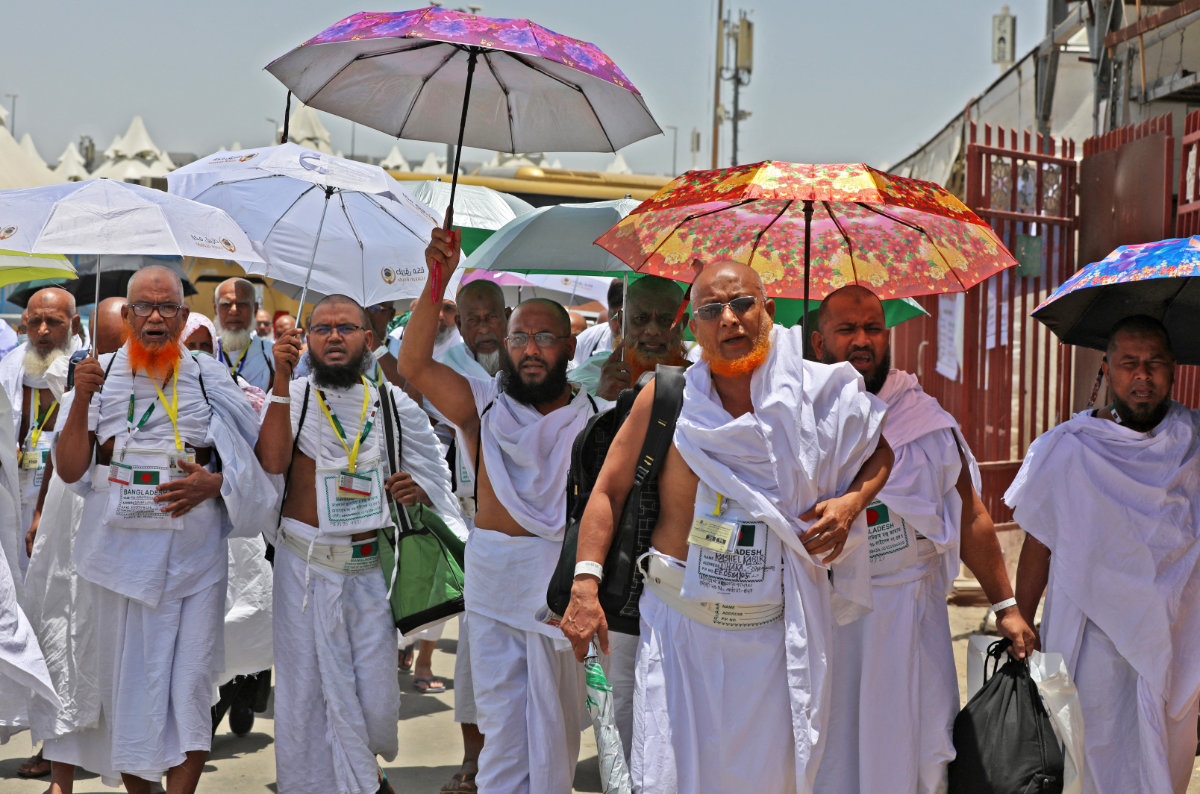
(367, 423)
(35, 430)
(129, 416)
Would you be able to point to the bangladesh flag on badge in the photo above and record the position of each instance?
(878, 514)
(145, 477)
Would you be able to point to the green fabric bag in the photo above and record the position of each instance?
(424, 555)
(429, 574)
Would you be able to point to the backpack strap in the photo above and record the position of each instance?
(478, 447)
(668, 399)
(394, 441)
(262, 348)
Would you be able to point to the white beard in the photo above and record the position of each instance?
(489, 361)
(441, 335)
(35, 364)
(232, 340)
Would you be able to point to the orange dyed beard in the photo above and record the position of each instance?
(640, 364)
(743, 365)
(157, 361)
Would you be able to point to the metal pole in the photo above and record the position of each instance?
(674, 147)
(808, 213)
(313, 260)
(737, 93)
(716, 129)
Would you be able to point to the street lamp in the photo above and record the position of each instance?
(274, 130)
(674, 147)
(12, 124)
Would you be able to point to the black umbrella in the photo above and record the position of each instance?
(114, 278)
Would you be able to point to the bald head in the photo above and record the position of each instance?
(483, 321)
(578, 323)
(851, 296)
(481, 292)
(344, 301)
(851, 327)
(50, 319)
(235, 304)
(108, 328)
(553, 311)
(725, 274)
(156, 277)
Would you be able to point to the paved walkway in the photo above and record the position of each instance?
(430, 743)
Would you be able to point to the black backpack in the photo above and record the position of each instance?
(1003, 739)
(622, 585)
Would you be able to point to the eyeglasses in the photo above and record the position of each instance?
(380, 307)
(165, 310)
(711, 311)
(544, 339)
(343, 330)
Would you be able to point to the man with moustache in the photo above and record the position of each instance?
(519, 426)
(447, 330)
(652, 337)
(1110, 502)
(262, 324)
(73, 618)
(758, 549)
(243, 353)
(896, 692)
(54, 329)
(163, 443)
(601, 336)
(336, 693)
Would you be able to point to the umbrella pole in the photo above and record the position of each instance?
(462, 128)
(97, 303)
(624, 314)
(808, 213)
(313, 259)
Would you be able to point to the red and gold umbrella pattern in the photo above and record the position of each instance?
(898, 237)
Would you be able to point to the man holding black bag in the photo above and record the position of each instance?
(337, 695)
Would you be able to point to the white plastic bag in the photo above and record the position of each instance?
(977, 645)
(1061, 700)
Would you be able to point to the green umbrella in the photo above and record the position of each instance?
(17, 267)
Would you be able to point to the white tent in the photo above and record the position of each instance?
(306, 129)
(134, 155)
(17, 169)
(618, 166)
(30, 149)
(71, 165)
(432, 164)
(395, 161)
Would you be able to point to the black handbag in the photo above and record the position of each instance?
(1003, 739)
(621, 587)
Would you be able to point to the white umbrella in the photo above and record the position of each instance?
(335, 225)
(556, 239)
(475, 206)
(100, 216)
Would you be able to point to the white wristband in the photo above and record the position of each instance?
(275, 398)
(590, 568)
(1005, 604)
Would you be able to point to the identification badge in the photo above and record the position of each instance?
(709, 532)
(34, 458)
(173, 459)
(353, 486)
(120, 473)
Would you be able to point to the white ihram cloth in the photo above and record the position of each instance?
(812, 428)
(14, 379)
(257, 366)
(1118, 510)
(594, 339)
(528, 687)
(23, 669)
(170, 582)
(896, 691)
(335, 639)
(248, 647)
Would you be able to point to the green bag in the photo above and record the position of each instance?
(424, 556)
(429, 573)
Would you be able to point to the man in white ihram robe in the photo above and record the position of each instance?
(1111, 503)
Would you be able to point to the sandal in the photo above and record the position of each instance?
(404, 662)
(35, 766)
(432, 684)
(460, 783)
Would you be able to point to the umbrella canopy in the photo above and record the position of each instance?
(1158, 279)
(556, 239)
(114, 277)
(335, 225)
(530, 89)
(16, 267)
(101, 216)
(897, 237)
(478, 210)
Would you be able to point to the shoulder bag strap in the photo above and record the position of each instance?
(668, 399)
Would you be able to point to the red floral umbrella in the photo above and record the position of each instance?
(811, 229)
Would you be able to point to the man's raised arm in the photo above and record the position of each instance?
(445, 389)
(73, 449)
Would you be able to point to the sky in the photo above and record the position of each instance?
(842, 81)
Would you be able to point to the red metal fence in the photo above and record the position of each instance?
(1187, 223)
(1014, 379)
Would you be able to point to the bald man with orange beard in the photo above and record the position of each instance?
(161, 447)
(759, 547)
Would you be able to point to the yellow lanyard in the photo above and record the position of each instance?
(35, 431)
(720, 507)
(236, 366)
(351, 454)
(172, 408)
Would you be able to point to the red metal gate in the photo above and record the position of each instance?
(1014, 379)
(1187, 223)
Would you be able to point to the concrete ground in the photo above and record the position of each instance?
(430, 743)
